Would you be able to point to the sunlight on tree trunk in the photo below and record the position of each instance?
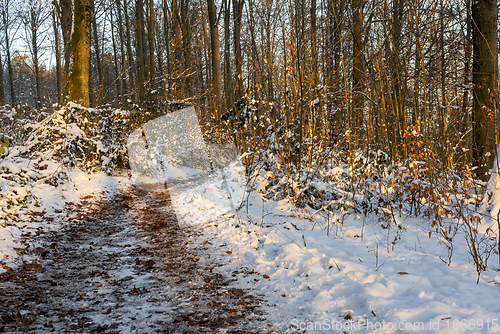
(216, 70)
(80, 53)
(484, 27)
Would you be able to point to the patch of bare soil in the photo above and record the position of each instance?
(124, 265)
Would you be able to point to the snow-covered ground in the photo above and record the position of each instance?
(323, 276)
(317, 273)
(24, 194)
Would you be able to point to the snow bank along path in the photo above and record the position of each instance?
(124, 265)
(321, 276)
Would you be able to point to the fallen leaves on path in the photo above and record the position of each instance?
(124, 264)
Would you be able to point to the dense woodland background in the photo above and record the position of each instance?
(375, 107)
(396, 76)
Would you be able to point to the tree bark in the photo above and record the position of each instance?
(123, 82)
(130, 55)
(80, 53)
(66, 17)
(118, 78)
(237, 15)
(151, 36)
(166, 29)
(314, 53)
(6, 25)
(140, 49)
(228, 86)
(175, 48)
(34, 47)
(484, 17)
(467, 53)
(186, 40)
(215, 46)
(100, 94)
(2, 87)
(358, 69)
(57, 48)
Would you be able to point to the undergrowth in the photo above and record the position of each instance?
(309, 169)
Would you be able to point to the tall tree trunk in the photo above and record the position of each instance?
(464, 124)
(151, 36)
(228, 86)
(176, 48)
(215, 46)
(318, 108)
(123, 82)
(140, 48)
(237, 15)
(330, 44)
(208, 68)
(57, 48)
(484, 17)
(34, 48)
(357, 70)
(397, 81)
(100, 94)
(186, 40)
(118, 78)
(66, 16)
(314, 43)
(160, 58)
(335, 12)
(80, 53)
(130, 55)
(2, 86)
(443, 70)
(6, 25)
(166, 30)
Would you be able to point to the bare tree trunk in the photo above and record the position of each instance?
(151, 35)
(335, 14)
(216, 70)
(358, 69)
(160, 58)
(484, 18)
(2, 86)
(186, 40)
(123, 82)
(314, 53)
(228, 86)
(140, 48)
(318, 107)
(100, 94)
(208, 61)
(118, 79)
(58, 59)
(66, 16)
(130, 55)
(80, 53)
(34, 48)
(175, 47)
(166, 30)
(237, 15)
(442, 70)
(467, 83)
(6, 25)
(397, 80)
(91, 92)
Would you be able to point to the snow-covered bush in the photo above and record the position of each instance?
(330, 176)
(44, 146)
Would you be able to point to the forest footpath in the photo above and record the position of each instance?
(124, 264)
